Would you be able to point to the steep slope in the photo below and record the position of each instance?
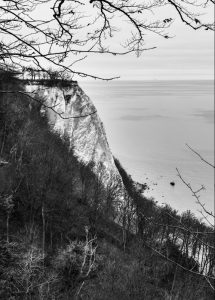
(80, 122)
(75, 117)
(48, 231)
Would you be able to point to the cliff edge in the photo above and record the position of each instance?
(74, 115)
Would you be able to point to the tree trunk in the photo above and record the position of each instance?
(44, 230)
(7, 225)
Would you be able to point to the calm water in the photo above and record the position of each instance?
(149, 123)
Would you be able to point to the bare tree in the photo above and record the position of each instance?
(61, 33)
(206, 213)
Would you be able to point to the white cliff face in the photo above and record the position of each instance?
(80, 122)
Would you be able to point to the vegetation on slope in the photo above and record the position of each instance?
(57, 230)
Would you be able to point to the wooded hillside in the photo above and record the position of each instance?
(59, 238)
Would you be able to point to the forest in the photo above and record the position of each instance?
(58, 230)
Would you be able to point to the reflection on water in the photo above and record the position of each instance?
(207, 114)
(148, 124)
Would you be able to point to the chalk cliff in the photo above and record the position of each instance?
(76, 117)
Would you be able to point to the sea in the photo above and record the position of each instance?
(149, 123)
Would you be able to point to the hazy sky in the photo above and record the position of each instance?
(188, 55)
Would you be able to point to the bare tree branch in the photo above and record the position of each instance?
(177, 264)
(49, 107)
(69, 29)
(183, 228)
(196, 196)
(208, 163)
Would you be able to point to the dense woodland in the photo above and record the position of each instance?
(59, 238)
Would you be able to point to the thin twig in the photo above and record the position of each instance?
(202, 158)
(195, 194)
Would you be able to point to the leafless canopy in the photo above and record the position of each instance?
(60, 33)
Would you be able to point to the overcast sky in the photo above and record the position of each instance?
(189, 55)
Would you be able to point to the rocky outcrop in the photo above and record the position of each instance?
(73, 114)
